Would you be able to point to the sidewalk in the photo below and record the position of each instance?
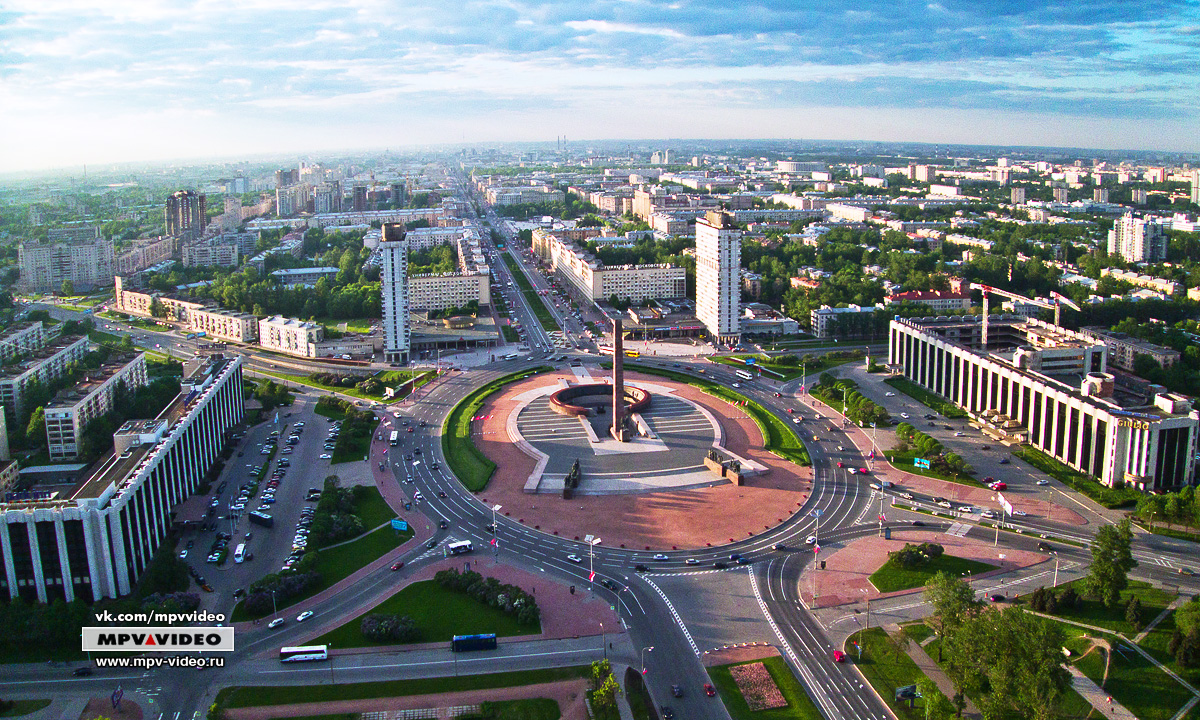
(1098, 698)
(934, 673)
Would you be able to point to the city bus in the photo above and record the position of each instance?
(394, 438)
(463, 643)
(606, 349)
(239, 554)
(632, 353)
(304, 653)
(511, 356)
(745, 374)
(458, 548)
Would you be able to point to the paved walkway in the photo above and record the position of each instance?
(933, 671)
(1099, 698)
(1161, 616)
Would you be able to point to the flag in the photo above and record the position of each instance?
(881, 518)
(494, 543)
(816, 549)
(591, 576)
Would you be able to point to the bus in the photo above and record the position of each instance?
(606, 349)
(394, 438)
(463, 643)
(632, 353)
(458, 548)
(304, 653)
(260, 518)
(745, 374)
(511, 356)
(239, 554)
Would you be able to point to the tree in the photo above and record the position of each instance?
(35, 432)
(1133, 613)
(953, 603)
(1112, 560)
(157, 309)
(937, 705)
(68, 288)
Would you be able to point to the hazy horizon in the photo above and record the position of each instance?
(145, 81)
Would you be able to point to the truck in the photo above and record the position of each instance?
(466, 643)
(260, 518)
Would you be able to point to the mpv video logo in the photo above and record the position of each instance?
(166, 639)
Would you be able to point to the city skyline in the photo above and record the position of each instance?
(139, 81)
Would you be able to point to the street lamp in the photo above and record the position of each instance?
(603, 642)
(650, 648)
(1055, 553)
(591, 561)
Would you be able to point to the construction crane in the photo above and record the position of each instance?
(1057, 300)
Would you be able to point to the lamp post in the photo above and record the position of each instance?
(591, 561)
(603, 642)
(331, 680)
(1055, 567)
(650, 648)
(274, 606)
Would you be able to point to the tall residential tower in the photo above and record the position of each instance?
(718, 264)
(186, 214)
(393, 277)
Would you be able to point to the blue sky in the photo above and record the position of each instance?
(117, 80)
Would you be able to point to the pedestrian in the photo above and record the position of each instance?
(1110, 699)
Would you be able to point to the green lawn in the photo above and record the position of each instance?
(536, 302)
(1106, 496)
(354, 325)
(789, 372)
(337, 563)
(1133, 681)
(904, 461)
(510, 334)
(104, 338)
(24, 707)
(467, 463)
(799, 706)
(354, 442)
(528, 709)
(887, 667)
(373, 509)
(238, 697)
(890, 578)
(1092, 612)
(439, 613)
(930, 399)
(917, 632)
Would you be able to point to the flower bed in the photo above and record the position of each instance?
(757, 686)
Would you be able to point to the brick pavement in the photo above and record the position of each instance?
(848, 568)
(670, 519)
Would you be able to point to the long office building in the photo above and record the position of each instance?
(93, 539)
(590, 279)
(393, 278)
(1049, 387)
(71, 410)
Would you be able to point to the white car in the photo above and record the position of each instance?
(890, 394)
(326, 456)
(959, 434)
(810, 540)
(275, 623)
(575, 558)
(1043, 482)
(304, 616)
(904, 415)
(1019, 513)
(183, 554)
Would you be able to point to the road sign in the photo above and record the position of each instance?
(921, 463)
(1004, 504)
(750, 361)
(398, 524)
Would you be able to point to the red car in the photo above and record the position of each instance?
(709, 690)
(863, 471)
(841, 464)
(398, 564)
(1000, 485)
(778, 395)
(839, 656)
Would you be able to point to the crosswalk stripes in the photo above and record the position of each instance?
(958, 529)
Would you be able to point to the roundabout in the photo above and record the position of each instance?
(654, 490)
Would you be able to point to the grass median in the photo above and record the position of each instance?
(799, 705)
(535, 301)
(438, 612)
(1108, 497)
(258, 696)
(891, 577)
(929, 399)
(466, 461)
(887, 667)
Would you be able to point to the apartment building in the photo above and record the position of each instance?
(1137, 240)
(145, 253)
(448, 290)
(186, 214)
(824, 320)
(72, 409)
(937, 300)
(718, 266)
(304, 277)
(393, 280)
(517, 195)
(44, 266)
(592, 280)
(45, 365)
(140, 303)
(1048, 386)
(220, 324)
(215, 251)
(21, 339)
(94, 539)
(1162, 285)
(1123, 348)
(289, 335)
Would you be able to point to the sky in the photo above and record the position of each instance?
(138, 80)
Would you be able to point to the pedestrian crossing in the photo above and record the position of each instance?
(959, 529)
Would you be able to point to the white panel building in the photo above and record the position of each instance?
(393, 277)
(718, 282)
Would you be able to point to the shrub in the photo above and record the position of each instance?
(384, 626)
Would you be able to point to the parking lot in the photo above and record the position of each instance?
(274, 470)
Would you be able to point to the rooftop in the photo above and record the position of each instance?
(92, 381)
